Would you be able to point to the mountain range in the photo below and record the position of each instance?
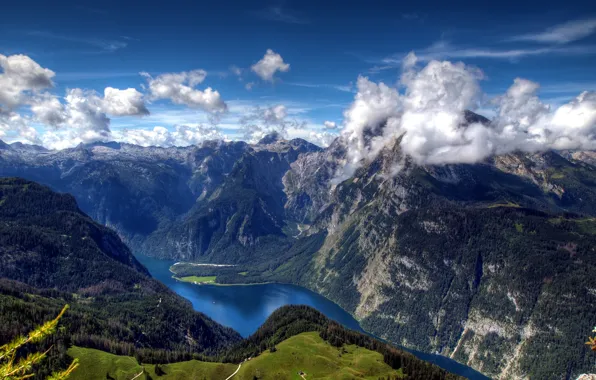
(489, 263)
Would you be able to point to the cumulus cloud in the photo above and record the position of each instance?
(17, 128)
(48, 110)
(269, 65)
(123, 102)
(429, 117)
(260, 122)
(562, 33)
(183, 135)
(83, 118)
(274, 115)
(330, 124)
(20, 77)
(322, 139)
(180, 89)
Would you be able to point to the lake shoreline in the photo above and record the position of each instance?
(246, 307)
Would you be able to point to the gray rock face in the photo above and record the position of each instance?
(164, 201)
(467, 261)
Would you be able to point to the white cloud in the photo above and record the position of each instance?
(183, 135)
(275, 114)
(179, 88)
(330, 124)
(338, 87)
(16, 128)
(429, 118)
(269, 65)
(123, 102)
(322, 139)
(562, 33)
(48, 110)
(309, 133)
(520, 105)
(86, 117)
(236, 70)
(445, 50)
(249, 85)
(21, 76)
(104, 46)
(409, 61)
(373, 104)
(260, 122)
(82, 118)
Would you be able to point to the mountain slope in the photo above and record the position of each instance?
(51, 254)
(481, 263)
(244, 217)
(171, 202)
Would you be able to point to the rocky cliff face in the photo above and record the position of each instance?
(471, 261)
(171, 202)
(242, 218)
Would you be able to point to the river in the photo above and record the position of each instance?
(245, 307)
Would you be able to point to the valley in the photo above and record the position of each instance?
(118, 308)
(469, 261)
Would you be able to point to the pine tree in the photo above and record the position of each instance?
(11, 369)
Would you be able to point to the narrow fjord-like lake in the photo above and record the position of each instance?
(245, 307)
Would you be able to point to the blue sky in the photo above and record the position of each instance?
(326, 44)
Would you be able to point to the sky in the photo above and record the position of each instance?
(176, 73)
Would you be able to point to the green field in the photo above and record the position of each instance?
(308, 353)
(305, 352)
(99, 365)
(198, 279)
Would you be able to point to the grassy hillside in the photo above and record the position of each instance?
(305, 352)
(100, 365)
(318, 359)
(288, 322)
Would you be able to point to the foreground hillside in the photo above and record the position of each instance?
(294, 339)
(52, 254)
(305, 352)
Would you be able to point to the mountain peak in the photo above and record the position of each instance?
(472, 117)
(271, 138)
